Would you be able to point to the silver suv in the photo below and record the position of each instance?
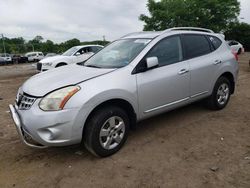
(136, 77)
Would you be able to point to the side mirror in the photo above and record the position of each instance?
(78, 53)
(152, 62)
(146, 64)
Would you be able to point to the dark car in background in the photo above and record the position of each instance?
(2, 61)
(17, 58)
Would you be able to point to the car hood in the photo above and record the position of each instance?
(45, 82)
(55, 59)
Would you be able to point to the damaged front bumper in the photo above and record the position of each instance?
(25, 136)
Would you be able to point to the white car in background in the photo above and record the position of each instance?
(6, 58)
(34, 56)
(236, 47)
(75, 54)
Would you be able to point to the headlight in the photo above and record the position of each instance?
(56, 100)
(47, 64)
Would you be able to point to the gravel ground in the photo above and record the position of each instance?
(188, 147)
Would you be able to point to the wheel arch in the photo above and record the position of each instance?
(61, 64)
(230, 77)
(124, 104)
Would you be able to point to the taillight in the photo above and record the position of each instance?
(235, 56)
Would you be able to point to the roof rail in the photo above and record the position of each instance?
(127, 35)
(137, 33)
(189, 29)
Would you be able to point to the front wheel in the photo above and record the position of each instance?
(221, 94)
(106, 131)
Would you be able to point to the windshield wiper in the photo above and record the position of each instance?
(93, 66)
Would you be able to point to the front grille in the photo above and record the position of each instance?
(24, 102)
(39, 66)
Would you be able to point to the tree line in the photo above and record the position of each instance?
(218, 15)
(20, 45)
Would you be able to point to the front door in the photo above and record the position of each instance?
(166, 86)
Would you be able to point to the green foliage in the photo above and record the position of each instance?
(212, 14)
(20, 46)
(239, 32)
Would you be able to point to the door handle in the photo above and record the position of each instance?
(217, 62)
(183, 71)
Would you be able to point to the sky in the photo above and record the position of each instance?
(61, 20)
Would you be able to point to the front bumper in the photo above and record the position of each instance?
(41, 129)
(25, 137)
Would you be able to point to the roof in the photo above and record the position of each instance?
(154, 34)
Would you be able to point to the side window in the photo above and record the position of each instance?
(232, 43)
(168, 51)
(215, 42)
(235, 43)
(95, 48)
(82, 51)
(196, 45)
(85, 50)
(89, 49)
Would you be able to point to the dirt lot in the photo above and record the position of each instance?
(189, 147)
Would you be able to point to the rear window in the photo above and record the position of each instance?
(215, 42)
(196, 45)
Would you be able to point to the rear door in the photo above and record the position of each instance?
(203, 60)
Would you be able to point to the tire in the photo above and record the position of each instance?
(239, 51)
(102, 121)
(221, 94)
(60, 65)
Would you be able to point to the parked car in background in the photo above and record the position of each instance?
(7, 58)
(50, 55)
(34, 56)
(17, 58)
(236, 47)
(73, 55)
(2, 61)
(136, 77)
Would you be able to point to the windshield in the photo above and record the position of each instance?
(118, 54)
(70, 51)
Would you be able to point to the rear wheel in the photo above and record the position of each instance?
(106, 131)
(221, 94)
